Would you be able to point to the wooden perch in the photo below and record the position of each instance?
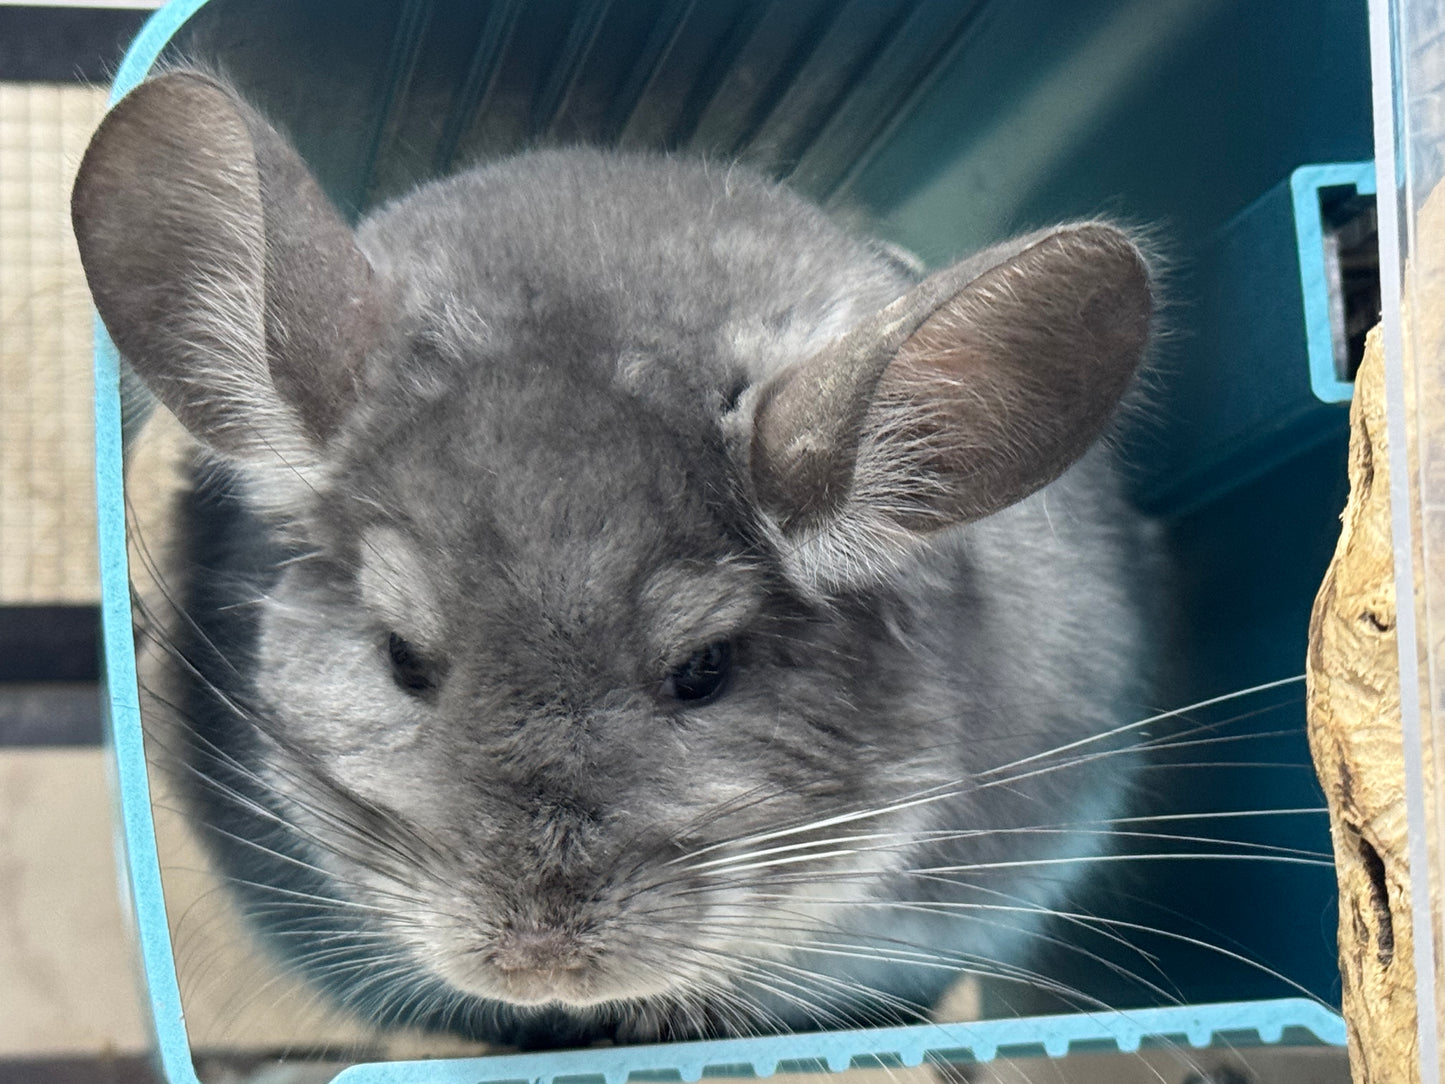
(1354, 689)
(1354, 731)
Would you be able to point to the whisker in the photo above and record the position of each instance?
(1160, 717)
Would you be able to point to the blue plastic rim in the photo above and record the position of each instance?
(1051, 1036)
(1306, 184)
(136, 827)
(1271, 1021)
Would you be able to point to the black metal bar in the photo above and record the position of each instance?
(49, 643)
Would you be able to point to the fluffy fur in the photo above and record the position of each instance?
(541, 472)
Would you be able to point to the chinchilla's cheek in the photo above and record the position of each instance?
(323, 676)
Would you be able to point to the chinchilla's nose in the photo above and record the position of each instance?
(539, 949)
(537, 965)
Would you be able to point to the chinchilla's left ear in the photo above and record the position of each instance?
(226, 279)
(980, 385)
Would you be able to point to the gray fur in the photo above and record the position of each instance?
(527, 432)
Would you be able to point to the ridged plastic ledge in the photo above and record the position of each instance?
(1240, 1023)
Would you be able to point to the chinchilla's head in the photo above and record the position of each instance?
(605, 482)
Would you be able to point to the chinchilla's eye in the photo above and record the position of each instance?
(413, 672)
(703, 676)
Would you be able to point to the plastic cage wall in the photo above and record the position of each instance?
(940, 126)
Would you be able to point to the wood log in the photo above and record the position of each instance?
(1353, 671)
(1354, 732)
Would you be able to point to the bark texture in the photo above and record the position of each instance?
(1354, 731)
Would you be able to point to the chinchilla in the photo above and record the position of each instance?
(621, 603)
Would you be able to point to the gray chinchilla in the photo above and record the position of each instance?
(623, 604)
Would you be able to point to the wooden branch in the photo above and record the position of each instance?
(1354, 731)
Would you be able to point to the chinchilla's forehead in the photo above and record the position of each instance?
(673, 247)
(579, 325)
(537, 490)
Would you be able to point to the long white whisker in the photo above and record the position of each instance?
(1173, 713)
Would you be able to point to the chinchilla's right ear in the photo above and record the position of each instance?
(979, 386)
(223, 275)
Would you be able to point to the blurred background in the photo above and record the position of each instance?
(70, 1005)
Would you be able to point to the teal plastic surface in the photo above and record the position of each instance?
(856, 112)
(1259, 288)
